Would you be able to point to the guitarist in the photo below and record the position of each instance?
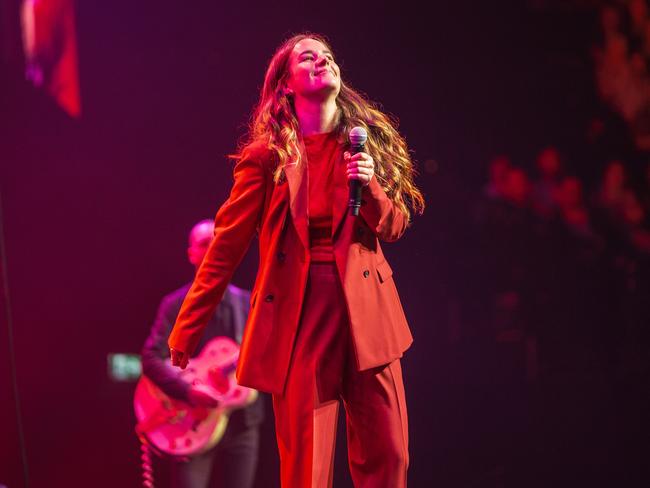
(234, 459)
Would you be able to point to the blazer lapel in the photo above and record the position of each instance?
(299, 197)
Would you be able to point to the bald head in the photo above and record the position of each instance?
(199, 240)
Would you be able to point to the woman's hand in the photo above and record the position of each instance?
(361, 167)
(179, 358)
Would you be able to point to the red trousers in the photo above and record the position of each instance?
(322, 372)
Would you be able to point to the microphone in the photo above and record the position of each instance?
(358, 137)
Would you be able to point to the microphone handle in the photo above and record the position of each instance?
(354, 203)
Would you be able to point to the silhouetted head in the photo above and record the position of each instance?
(199, 241)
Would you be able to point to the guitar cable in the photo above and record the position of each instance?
(10, 344)
(146, 463)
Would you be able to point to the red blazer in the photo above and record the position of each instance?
(278, 212)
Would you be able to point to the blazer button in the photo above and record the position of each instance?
(282, 256)
(366, 273)
(269, 298)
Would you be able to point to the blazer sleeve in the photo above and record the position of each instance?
(235, 225)
(380, 213)
(155, 354)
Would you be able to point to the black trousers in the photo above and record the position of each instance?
(231, 463)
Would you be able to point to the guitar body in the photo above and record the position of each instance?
(176, 428)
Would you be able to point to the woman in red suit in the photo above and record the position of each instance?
(326, 324)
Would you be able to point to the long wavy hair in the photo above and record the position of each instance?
(275, 125)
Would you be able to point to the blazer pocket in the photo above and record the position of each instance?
(384, 271)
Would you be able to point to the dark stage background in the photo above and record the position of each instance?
(97, 211)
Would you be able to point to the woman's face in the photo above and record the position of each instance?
(312, 71)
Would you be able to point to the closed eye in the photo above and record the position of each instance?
(311, 56)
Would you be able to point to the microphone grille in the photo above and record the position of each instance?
(358, 136)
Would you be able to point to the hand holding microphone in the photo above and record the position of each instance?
(360, 167)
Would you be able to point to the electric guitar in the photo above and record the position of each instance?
(176, 428)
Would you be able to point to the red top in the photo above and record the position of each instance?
(321, 151)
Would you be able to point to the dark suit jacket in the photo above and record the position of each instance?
(228, 320)
(278, 212)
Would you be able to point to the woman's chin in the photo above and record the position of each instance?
(325, 88)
